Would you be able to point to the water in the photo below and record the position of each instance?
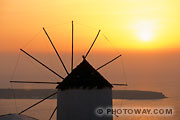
(44, 110)
(41, 111)
(163, 103)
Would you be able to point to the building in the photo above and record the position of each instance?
(81, 93)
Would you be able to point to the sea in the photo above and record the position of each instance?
(43, 110)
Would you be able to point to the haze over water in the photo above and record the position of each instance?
(43, 110)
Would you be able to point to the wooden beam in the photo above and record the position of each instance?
(55, 50)
(35, 82)
(92, 44)
(37, 103)
(41, 63)
(108, 62)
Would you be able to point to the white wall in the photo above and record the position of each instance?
(81, 104)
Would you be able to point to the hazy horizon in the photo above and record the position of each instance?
(141, 71)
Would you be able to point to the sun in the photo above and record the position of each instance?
(145, 30)
(145, 35)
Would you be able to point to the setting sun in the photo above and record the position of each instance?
(145, 35)
(145, 30)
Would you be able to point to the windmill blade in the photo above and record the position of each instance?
(108, 62)
(92, 44)
(53, 113)
(35, 82)
(55, 50)
(72, 46)
(121, 84)
(38, 103)
(41, 63)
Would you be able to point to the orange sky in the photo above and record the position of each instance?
(126, 23)
(139, 29)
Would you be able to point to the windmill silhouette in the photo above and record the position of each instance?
(83, 87)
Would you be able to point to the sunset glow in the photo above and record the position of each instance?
(145, 35)
(133, 44)
(145, 30)
(127, 24)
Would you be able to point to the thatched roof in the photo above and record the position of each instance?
(84, 76)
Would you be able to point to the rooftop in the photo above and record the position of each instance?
(84, 76)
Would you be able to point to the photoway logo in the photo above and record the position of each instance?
(134, 111)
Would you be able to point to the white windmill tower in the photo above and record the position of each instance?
(81, 92)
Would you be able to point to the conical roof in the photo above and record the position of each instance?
(84, 76)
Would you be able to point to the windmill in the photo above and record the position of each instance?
(82, 91)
